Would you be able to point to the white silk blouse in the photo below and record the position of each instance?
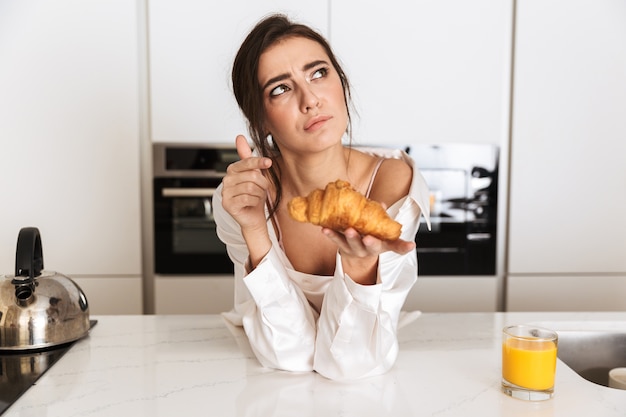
(328, 324)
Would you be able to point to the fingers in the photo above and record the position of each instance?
(350, 241)
(243, 197)
(246, 176)
(361, 245)
(400, 246)
(243, 149)
(245, 186)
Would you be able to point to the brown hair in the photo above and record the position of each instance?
(248, 91)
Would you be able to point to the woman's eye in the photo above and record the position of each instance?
(319, 73)
(276, 91)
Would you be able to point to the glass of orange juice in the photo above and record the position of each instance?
(528, 362)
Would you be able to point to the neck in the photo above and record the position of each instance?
(302, 174)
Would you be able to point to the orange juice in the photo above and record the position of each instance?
(529, 363)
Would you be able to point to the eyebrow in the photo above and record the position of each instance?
(286, 76)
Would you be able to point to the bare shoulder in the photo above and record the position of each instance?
(392, 182)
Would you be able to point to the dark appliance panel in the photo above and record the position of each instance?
(185, 179)
(463, 181)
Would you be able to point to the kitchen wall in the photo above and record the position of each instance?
(87, 86)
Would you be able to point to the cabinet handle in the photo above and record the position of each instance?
(188, 192)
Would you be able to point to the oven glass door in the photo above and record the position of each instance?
(185, 238)
(460, 241)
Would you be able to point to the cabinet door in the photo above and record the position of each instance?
(447, 293)
(426, 71)
(194, 294)
(192, 46)
(568, 179)
(112, 295)
(69, 133)
(566, 293)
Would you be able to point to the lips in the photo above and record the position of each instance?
(316, 122)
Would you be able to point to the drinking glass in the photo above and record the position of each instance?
(528, 362)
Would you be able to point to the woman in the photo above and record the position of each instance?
(311, 298)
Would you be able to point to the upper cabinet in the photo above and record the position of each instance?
(192, 47)
(426, 71)
(568, 169)
(69, 134)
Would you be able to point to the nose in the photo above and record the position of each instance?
(308, 98)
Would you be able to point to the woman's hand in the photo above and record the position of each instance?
(244, 193)
(359, 254)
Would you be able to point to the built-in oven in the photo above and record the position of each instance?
(463, 182)
(185, 177)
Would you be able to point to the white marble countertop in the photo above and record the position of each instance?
(449, 365)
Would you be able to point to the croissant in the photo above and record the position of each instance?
(339, 207)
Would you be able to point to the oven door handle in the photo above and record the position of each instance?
(438, 250)
(187, 192)
(478, 237)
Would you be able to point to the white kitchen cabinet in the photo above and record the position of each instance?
(426, 71)
(113, 294)
(568, 169)
(192, 46)
(194, 294)
(69, 132)
(448, 293)
(215, 294)
(567, 293)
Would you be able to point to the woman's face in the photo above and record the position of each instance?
(303, 97)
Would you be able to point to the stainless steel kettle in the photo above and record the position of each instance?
(38, 308)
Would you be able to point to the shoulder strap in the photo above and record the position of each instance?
(369, 187)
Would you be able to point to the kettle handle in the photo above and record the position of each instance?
(29, 254)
